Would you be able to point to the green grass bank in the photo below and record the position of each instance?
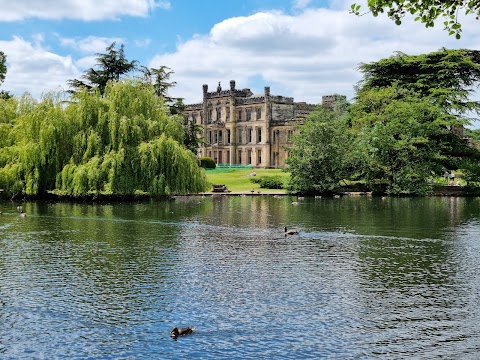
(239, 179)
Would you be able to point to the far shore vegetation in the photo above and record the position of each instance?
(118, 133)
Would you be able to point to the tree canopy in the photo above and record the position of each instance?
(426, 11)
(110, 67)
(122, 143)
(448, 77)
(402, 139)
(318, 160)
(3, 66)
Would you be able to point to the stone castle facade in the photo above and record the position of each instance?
(240, 128)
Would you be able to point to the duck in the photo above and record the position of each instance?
(290, 232)
(20, 208)
(22, 214)
(180, 331)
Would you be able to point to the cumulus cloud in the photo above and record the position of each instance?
(74, 9)
(90, 44)
(306, 55)
(31, 68)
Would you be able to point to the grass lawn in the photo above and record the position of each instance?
(237, 180)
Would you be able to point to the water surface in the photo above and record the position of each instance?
(365, 278)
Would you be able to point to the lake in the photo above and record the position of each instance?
(366, 277)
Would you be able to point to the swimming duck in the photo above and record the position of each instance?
(290, 232)
(180, 331)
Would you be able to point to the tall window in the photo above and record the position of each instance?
(239, 117)
(259, 157)
(240, 135)
(239, 156)
(219, 114)
(210, 116)
(259, 113)
(249, 157)
(228, 137)
(227, 114)
(249, 114)
(249, 135)
(220, 137)
(259, 135)
(290, 134)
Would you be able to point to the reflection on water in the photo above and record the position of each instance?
(365, 278)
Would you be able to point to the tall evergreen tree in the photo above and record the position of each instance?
(448, 77)
(111, 66)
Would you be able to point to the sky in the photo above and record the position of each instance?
(300, 48)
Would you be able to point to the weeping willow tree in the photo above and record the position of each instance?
(124, 142)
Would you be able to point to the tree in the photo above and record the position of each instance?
(403, 139)
(122, 143)
(160, 79)
(426, 11)
(3, 67)
(447, 77)
(111, 67)
(318, 160)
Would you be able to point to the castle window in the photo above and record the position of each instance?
(249, 135)
(239, 115)
(227, 115)
(249, 114)
(219, 114)
(210, 116)
(228, 137)
(240, 135)
(259, 135)
(259, 157)
(290, 134)
(259, 113)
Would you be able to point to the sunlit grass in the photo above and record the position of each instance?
(238, 180)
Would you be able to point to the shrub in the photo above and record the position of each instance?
(207, 162)
(269, 182)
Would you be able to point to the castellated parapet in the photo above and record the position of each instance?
(242, 128)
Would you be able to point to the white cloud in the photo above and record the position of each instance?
(77, 9)
(33, 69)
(307, 55)
(91, 44)
(301, 4)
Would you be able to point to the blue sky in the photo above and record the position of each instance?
(300, 48)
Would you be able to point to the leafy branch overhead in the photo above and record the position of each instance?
(426, 11)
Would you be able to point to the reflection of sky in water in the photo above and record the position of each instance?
(393, 278)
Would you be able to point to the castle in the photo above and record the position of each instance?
(240, 128)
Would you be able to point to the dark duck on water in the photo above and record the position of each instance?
(176, 332)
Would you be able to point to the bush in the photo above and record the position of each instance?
(269, 182)
(207, 162)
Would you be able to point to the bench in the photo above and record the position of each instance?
(219, 188)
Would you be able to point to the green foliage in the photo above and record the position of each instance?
(124, 142)
(447, 77)
(207, 163)
(425, 11)
(268, 182)
(160, 79)
(110, 67)
(319, 158)
(3, 66)
(402, 139)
